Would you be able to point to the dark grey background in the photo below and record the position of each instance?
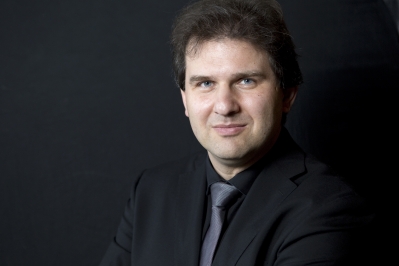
(393, 6)
(87, 100)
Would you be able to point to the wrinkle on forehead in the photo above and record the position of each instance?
(195, 45)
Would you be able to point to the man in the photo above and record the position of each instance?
(236, 66)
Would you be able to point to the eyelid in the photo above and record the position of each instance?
(201, 83)
(248, 80)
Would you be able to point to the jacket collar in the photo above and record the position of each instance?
(271, 187)
(190, 203)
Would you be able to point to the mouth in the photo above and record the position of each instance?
(229, 129)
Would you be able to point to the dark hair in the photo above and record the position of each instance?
(259, 22)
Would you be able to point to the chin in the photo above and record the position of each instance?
(230, 155)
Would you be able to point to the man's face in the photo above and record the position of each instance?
(233, 102)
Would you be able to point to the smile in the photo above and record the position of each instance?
(229, 130)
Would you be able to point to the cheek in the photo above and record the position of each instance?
(264, 107)
(198, 116)
(199, 108)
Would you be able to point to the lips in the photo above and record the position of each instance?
(229, 129)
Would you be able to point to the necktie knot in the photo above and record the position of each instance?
(222, 194)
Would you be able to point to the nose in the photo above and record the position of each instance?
(226, 103)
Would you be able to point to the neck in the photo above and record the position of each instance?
(227, 168)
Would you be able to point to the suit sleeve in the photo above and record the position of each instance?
(336, 233)
(119, 250)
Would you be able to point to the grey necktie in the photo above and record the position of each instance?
(221, 194)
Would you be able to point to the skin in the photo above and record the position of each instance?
(233, 102)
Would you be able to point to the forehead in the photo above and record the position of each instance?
(195, 47)
(226, 56)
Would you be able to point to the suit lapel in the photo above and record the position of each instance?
(189, 215)
(270, 188)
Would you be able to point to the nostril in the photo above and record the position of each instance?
(226, 108)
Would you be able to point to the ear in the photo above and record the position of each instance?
(289, 98)
(183, 96)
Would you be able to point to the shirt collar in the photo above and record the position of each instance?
(242, 181)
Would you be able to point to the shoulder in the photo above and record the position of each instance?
(314, 179)
(164, 178)
(301, 167)
(185, 164)
(324, 177)
(170, 170)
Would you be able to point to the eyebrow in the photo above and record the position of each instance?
(196, 78)
(239, 75)
(249, 74)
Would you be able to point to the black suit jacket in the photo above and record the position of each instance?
(297, 212)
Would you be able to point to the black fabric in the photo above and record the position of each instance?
(242, 181)
(296, 210)
(87, 101)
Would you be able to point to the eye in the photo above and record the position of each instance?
(206, 84)
(246, 81)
